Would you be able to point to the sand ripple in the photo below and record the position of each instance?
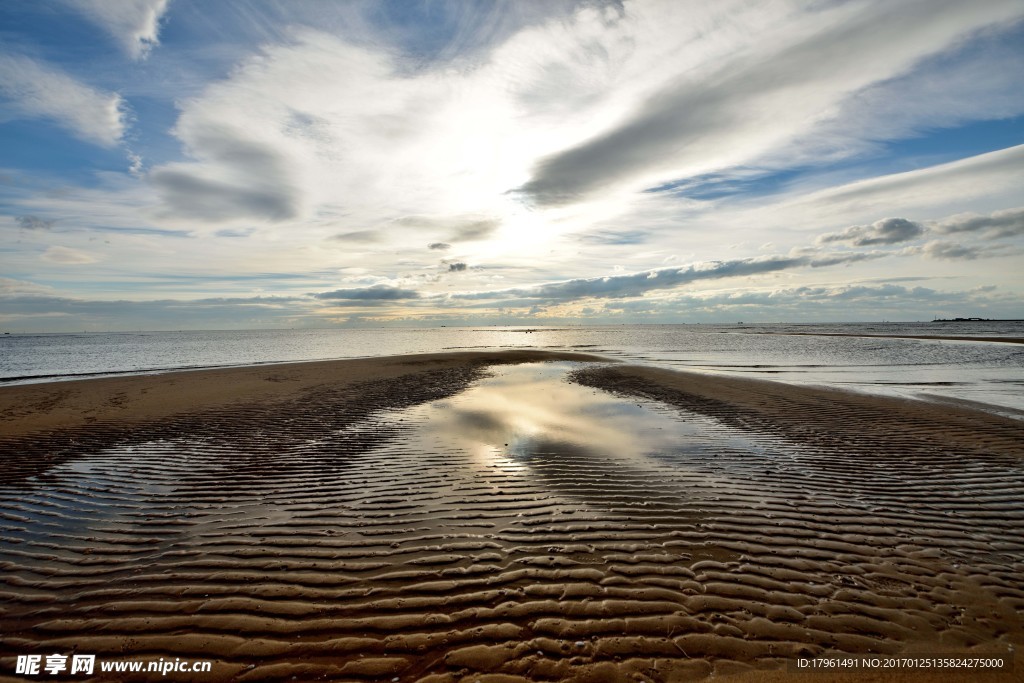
(345, 537)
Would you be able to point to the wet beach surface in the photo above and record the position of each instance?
(541, 521)
(896, 359)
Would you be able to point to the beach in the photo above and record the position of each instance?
(507, 516)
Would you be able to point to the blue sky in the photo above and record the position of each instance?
(173, 164)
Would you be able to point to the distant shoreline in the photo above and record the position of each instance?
(1004, 340)
(978, 320)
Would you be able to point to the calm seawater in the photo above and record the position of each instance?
(988, 373)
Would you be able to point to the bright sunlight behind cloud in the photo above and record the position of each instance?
(307, 163)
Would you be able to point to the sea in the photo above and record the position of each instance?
(880, 358)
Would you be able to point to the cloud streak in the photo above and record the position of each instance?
(886, 231)
(374, 293)
(638, 284)
(39, 90)
(66, 255)
(759, 98)
(247, 180)
(135, 24)
(33, 223)
(20, 304)
(951, 251)
(1000, 224)
(366, 160)
(1003, 224)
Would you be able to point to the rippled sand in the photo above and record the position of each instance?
(458, 517)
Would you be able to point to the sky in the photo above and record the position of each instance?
(182, 164)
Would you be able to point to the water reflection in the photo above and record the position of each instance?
(526, 411)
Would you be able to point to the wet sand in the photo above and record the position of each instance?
(137, 398)
(489, 517)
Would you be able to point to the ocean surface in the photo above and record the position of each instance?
(986, 373)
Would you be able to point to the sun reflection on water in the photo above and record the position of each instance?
(527, 411)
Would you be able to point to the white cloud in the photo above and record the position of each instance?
(981, 182)
(10, 287)
(38, 90)
(981, 80)
(117, 202)
(835, 294)
(638, 284)
(327, 149)
(761, 96)
(951, 251)
(33, 309)
(321, 127)
(984, 184)
(68, 256)
(247, 180)
(1005, 223)
(135, 24)
(1008, 223)
(24, 304)
(816, 302)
